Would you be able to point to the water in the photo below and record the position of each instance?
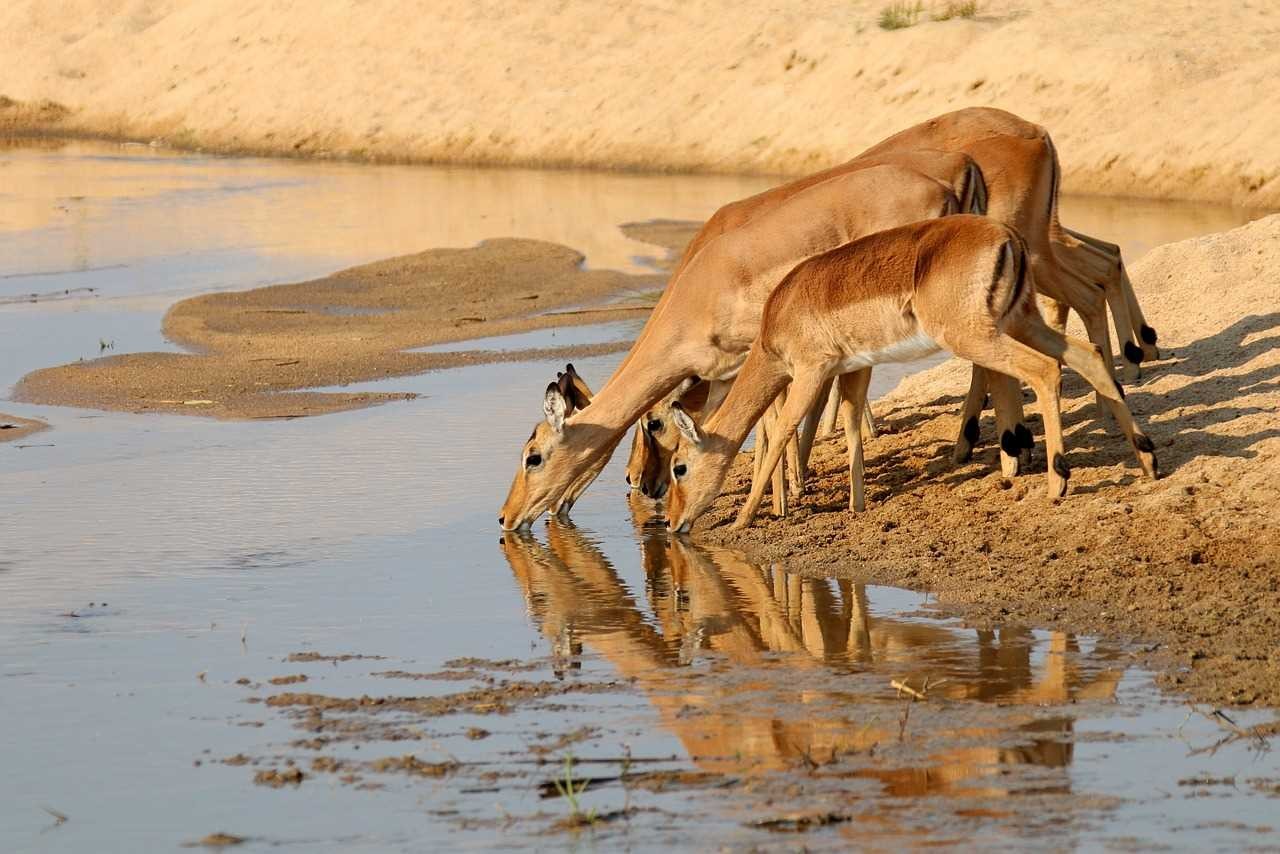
(148, 563)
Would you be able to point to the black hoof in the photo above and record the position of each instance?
(1061, 467)
(1009, 443)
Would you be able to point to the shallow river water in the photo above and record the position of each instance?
(157, 571)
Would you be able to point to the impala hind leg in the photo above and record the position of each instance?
(809, 430)
(1015, 439)
(1003, 354)
(832, 412)
(1087, 361)
(853, 401)
(804, 390)
(970, 412)
(1090, 266)
(1058, 319)
(1146, 335)
(777, 473)
(1089, 302)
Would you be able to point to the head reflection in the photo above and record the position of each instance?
(792, 668)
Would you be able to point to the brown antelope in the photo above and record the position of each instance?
(706, 321)
(1023, 183)
(963, 283)
(956, 170)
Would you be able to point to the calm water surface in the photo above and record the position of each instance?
(149, 563)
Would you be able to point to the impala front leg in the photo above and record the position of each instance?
(853, 393)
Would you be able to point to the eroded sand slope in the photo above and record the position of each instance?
(1144, 98)
(1188, 560)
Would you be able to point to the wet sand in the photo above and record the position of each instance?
(1187, 563)
(253, 352)
(1144, 98)
(13, 428)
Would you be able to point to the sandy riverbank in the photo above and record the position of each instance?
(1144, 98)
(1188, 562)
(253, 352)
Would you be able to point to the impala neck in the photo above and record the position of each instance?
(652, 370)
(759, 382)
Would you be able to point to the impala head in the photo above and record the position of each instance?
(655, 441)
(699, 463)
(660, 437)
(542, 475)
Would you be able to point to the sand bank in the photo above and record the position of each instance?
(1188, 562)
(13, 428)
(1144, 98)
(254, 351)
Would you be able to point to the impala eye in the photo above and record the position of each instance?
(654, 426)
(679, 470)
(533, 460)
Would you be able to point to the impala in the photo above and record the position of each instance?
(707, 319)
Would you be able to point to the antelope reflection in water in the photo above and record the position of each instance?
(786, 656)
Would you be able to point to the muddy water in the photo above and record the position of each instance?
(149, 564)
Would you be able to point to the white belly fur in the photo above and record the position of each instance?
(916, 346)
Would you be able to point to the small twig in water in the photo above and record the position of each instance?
(904, 688)
(58, 818)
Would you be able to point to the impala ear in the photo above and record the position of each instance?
(555, 406)
(574, 388)
(684, 423)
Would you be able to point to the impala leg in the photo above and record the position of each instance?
(853, 393)
(1083, 267)
(761, 448)
(1087, 361)
(969, 414)
(778, 439)
(809, 430)
(831, 413)
(1145, 334)
(868, 420)
(794, 477)
(799, 399)
(1130, 345)
(1088, 300)
(1005, 355)
(1059, 316)
(1015, 438)
(1094, 317)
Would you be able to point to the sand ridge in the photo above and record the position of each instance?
(1144, 98)
(13, 428)
(1187, 562)
(255, 351)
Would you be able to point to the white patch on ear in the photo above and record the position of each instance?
(554, 406)
(685, 425)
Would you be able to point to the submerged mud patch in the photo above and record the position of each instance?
(253, 352)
